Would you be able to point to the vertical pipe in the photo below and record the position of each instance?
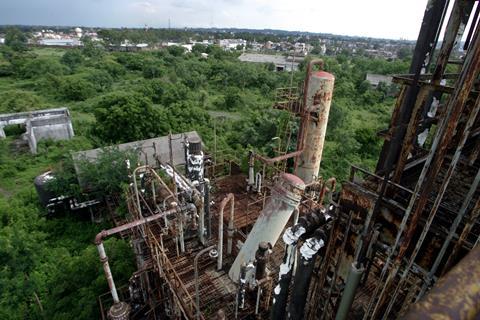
(108, 272)
(195, 267)
(303, 274)
(261, 257)
(207, 207)
(353, 279)
(229, 198)
(280, 293)
(251, 171)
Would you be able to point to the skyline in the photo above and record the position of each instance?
(370, 18)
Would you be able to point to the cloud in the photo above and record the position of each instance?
(145, 7)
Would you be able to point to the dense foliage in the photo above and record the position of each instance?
(49, 267)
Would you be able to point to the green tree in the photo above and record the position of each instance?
(72, 58)
(42, 66)
(18, 101)
(16, 39)
(75, 88)
(124, 117)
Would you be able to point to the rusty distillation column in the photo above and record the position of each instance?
(286, 196)
(317, 100)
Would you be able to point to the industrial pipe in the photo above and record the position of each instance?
(290, 237)
(229, 198)
(286, 196)
(303, 273)
(206, 190)
(271, 161)
(455, 296)
(108, 272)
(258, 182)
(103, 256)
(353, 279)
(280, 292)
(261, 258)
(251, 171)
(230, 232)
(195, 267)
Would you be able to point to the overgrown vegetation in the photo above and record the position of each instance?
(49, 267)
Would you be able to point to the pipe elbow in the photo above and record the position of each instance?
(100, 236)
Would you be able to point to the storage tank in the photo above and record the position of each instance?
(41, 185)
(317, 101)
(285, 198)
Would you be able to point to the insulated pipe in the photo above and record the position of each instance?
(303, 274)
(353, 279)
(280, 293)
(286, 196)
(229, 198)
(195, 267)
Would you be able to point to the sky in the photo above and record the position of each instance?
(391, 19)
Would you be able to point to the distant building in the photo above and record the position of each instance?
(281, 63)
(232, 44)
(67, 42)
(2, 40)
(375, 79)
(39, 125)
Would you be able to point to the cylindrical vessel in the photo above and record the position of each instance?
(41, 185)
(319, 98)
(286, 196)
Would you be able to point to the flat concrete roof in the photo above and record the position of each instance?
(147, 149)
(269, 58)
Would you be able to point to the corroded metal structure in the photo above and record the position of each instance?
(370, 251)
(417, 214)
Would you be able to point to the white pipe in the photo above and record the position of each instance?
(229, 198)
(108, 272)
(258, 182)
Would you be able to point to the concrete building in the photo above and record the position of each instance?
(281, 63)
(53, 124)
(375, 79)
(149, 150)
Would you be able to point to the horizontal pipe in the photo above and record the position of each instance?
(106, 233)
(279, 158)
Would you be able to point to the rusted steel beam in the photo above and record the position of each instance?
(424, 47)
(433, 164)
(454, 110)
(438, 199)
(411, 133)
(463, 236)
(456, 296)
(455, 26)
